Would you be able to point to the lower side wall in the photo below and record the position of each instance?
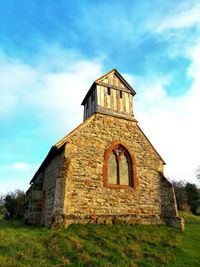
(64, 220)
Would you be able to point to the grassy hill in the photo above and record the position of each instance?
(100, 245)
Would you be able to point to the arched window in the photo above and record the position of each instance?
(119, 168)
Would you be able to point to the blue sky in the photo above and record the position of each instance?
(50, 53)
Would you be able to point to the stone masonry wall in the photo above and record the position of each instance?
(86, 197)
(53, 188)
(168, 199)
(50, 183)
(33, 201)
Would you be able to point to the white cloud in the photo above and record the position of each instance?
(15, 77)
(52, 91)
(55, 95)
(171, 123)
(16, 175)
(13, 182)
(17, 166)
(194, 54)
(59, 96)
(184, 15)
(20, 166)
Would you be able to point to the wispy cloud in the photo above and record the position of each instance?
(55, 92)
(16, 175)
(49, 96)
(17, 166)
(21, 166)
(171, 122)
(52, 91)
(43, 83)
(15, 77)
(182, 16)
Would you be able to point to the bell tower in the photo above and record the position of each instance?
(111, 95)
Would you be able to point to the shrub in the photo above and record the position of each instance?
(14, 204)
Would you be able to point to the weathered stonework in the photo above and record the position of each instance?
(71, 178)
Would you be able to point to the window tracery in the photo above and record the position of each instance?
(118, 167)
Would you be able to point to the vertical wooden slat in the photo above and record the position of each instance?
(105, 97)
(97, 95)
(119, 101)
(102, 95)
(111, 99)
(130, 104)
(127, 102)
(114, 99)
(116, 81)
(124, 101)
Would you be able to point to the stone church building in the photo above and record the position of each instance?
(104, 171)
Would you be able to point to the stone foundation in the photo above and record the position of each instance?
(60, 221)
(63, 221)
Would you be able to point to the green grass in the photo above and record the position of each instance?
(100, 245)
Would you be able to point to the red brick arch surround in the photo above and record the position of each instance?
(132, 167)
